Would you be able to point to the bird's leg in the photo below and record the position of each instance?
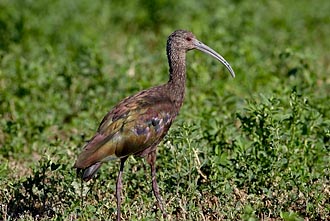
(151, 158)
(119, 186)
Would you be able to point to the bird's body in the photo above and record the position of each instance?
(137, 124)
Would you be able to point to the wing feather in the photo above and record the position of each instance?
(135, 124)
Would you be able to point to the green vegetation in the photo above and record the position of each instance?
(251, 148)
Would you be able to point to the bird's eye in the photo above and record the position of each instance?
(188, 38)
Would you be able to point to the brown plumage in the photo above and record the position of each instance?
(137, 124)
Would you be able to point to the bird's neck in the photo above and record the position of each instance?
(176, 83)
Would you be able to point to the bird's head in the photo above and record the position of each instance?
(185, 40)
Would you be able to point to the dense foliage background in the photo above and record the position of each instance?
(251, 148)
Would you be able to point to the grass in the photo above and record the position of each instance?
(251, 148)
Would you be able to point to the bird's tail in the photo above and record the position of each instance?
(90, 172)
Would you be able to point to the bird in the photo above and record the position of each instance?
(137, 124)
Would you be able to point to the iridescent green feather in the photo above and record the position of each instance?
(135, 124)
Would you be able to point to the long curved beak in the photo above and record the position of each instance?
(206, 49)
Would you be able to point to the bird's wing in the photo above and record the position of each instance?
(133, 125)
